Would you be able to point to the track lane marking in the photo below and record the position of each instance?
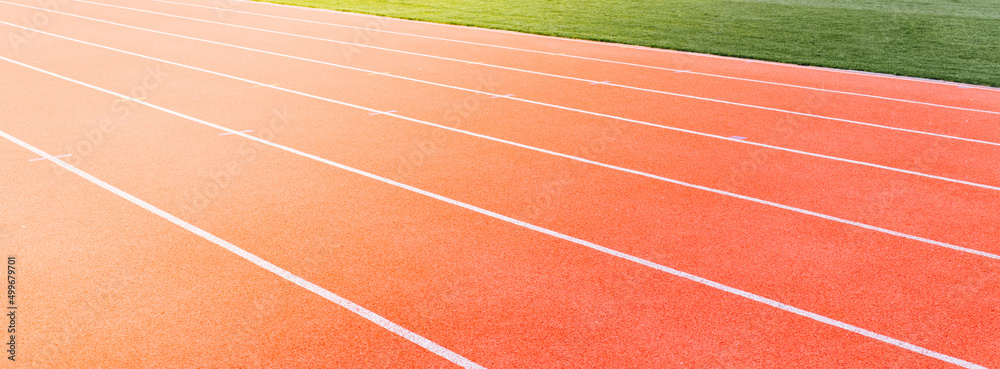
(601, 43)
(227, 133)
(593, 82)
(413, 337)
(248, 256)
(864, 73)
(131, 99)
(581, 79)
(44, 158)
(524, 146)
(511, 97)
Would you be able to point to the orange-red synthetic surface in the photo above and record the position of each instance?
(529, 201)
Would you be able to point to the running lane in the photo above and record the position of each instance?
(103, 283)
(683, 76)
(503, 295)
(496, 167)
(924, 207)
(756, 123)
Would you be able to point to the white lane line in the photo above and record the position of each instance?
(600, 43)
(42, 158)
(258, 86)
(783, 111)
(332, 297)
(382, 112)
(821, 69)
(545, 151)
(499, 96)
(612, 44)
(849, 71)
(227, 133)
(509, 96)
(128, 98)
(593, 246)
(602, 83)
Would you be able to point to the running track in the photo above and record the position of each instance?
(232, 184)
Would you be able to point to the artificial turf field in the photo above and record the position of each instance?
(957, 40)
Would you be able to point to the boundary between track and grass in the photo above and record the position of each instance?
(675, 94)
(256, 260)
(859, 72)
(508, 96)
(608, 83)
(423, 342)
(515, 144)
(608, 43)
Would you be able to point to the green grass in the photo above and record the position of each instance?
(955, 40)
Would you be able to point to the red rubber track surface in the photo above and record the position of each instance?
(865, 199)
